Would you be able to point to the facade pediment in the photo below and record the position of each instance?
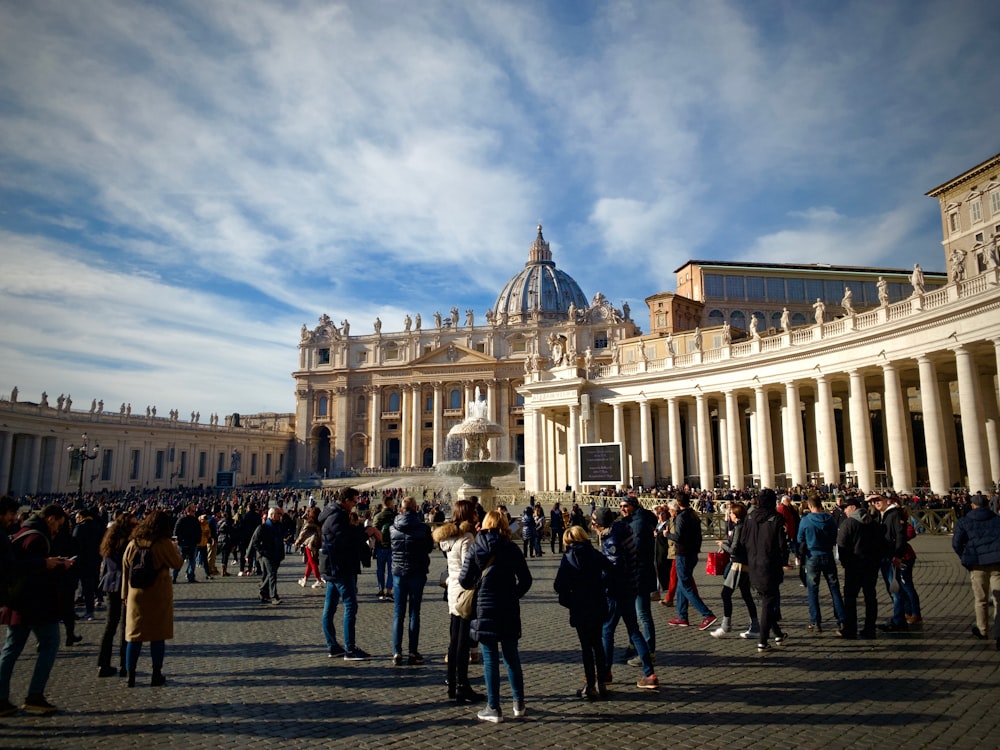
(452, 354)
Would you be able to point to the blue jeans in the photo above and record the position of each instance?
(624, 609)
(898, 600)
(490, 647)
(686, 594)
(383, 567)
(345, 588)
(157, 649)
(822, 564)
(408, 590)
(911, 602)
(644, 615)
(189, 554)
(48, 647)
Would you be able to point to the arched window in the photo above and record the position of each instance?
(455, 399)
(798, 319)
(394, 401)
(519, 399)
(716, 318)
(738, 320)
(322, 406)
(761, 320)
(776, 320)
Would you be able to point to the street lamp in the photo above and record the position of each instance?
(83, 454)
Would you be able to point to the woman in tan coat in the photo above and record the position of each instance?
(149, 611)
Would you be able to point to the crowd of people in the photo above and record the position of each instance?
(127, 551)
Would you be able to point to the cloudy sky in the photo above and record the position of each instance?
(184, 184)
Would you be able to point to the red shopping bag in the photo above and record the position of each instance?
(717, 562)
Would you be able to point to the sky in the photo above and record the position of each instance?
(184, 184)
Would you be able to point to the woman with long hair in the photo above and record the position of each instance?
(455, 538)
(736, 574)
(308, 541)
(112, 550)
(498, 568)
(149, 611)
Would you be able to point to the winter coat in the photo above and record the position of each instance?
(643, 525)
(977, 538)
(36, 589)
(735, 545)
(504, 581)
(310, 537)
(529, 530)
(455, 542)
(411, 544)
(269, 542)
(767, 549)
(343, 543)
(247, 525)
(188, 531)
(859, 541)
(618, 546)
(817, 535)
(226, 531)
(383, 522)
(687, 533)
(149, 612)
(893, 532)
(556, 523)
(581, 584)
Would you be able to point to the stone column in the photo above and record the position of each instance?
(438, 424)
(973, 423)
(809, 436)
(990, 413)
(533, 459)
(861, 432)
(895, 431)
(417, 458)
(663, 444)
(795, 450)
(706, 473)
(765, 454)
(491, 414)
(34, 460)
(937, 460)
(375, 445)
(405, 428)
(722, 463)
(647, 470)
(826, 432)
(6, 454)
(676, 453)
(619, 424)
(734, 429)
(573, 448)
(342, 434)
(950, 431)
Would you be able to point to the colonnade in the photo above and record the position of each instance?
(926, 419)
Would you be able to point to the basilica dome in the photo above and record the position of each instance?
(539, 288)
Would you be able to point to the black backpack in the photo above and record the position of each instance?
(142, 572)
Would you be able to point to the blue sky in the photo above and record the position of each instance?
(184, 184)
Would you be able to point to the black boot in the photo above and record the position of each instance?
(465, 694)
(131, 678)
(158, 679)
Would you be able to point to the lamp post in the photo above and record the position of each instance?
(83, 454)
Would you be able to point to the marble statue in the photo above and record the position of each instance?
(417, 322)
(571, 313)
(848, 301)
(993, 253)
(785, 319)
(407, 322)
(378, 324)
(504, 317)
(615, 353)
(93, 405)
(45, 399)
(820, 310)
(588, 360)
(571, 352)
(192, 417)
(917, 279)
(147, 411)
(346, 325)
(727, 334)
(754, 333)
(121, 409)
(643, 355)
(626, 311)
(470, 318)
(13, 395)
(883, 291)
(59, 402)
(305, 332)
(454, 316)
(697, 339)
(671, 346)
(128, 409)
(957, 261)
(556, 350)
(437, 319)
(69, 403)
(490, 317)
(154, 410)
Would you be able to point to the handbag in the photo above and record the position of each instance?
(465, 602)
(716, 564)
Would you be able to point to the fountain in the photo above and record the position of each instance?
(468, 454)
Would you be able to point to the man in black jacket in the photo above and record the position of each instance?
(343, 546)
(767, 551)
(859, 546)
(643, 525)
(893, 547)
(188, 534)
(268, 540)
(687, 543)
(411, 543)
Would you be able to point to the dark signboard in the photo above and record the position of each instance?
(601, 463)
(225, 479)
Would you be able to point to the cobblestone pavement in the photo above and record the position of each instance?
(244, 675)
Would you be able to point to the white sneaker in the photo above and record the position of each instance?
(302, 582)
(719, 631)
(519, 709)
(316, 584)
(490, 714)
(750, 633)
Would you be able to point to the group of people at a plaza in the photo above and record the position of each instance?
(615, 564)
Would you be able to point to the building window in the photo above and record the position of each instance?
(738, 320)
(324, 356)
(953, 221)
(322, 406)
(755, 287)
(776, 320)
(455, 399)
(202, 464)
(601, 340)
(995, 202)
(182, 472)
(714, 286)
(716, 318)
(106, 465)
(834, 291)
(253, 464)
(976, 211)
(518, 399)
(281, 463)
(796, 290)
(267, 465)
(776, 289)
(429, 403)
(133, 472)
(362, 358)
(391, 353)
(481, 348)
(221, 464)
(734, 287)
(394, 401)
(798, 319)
(517, 347)
(160, 457)
(361, 405)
